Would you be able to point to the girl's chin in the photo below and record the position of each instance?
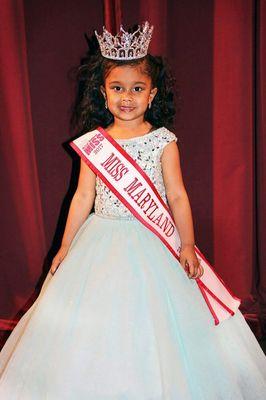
(125, 115)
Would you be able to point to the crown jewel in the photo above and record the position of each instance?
(125, 45)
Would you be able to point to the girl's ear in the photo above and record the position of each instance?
(153, 93)
(102, 89)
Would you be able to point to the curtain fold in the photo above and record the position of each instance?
(233, 155)
(240, 152)
(260, 153)
(156, 12)
(22, 228)
(112, 15)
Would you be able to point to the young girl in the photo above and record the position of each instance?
(118, 316)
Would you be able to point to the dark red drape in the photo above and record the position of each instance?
(260, 152)
(40, 42)
(22, 237)
(112, 15)
(233, 151)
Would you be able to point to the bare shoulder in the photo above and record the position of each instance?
(85, 169)
(171, 170)
(170, 156)
(86, 181)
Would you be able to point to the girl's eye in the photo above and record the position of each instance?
(120, 89)
(117, 88)
(138, 89)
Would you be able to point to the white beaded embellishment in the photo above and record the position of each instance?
(146, 151)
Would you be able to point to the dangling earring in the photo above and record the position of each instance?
(106, 105)
(150, 104)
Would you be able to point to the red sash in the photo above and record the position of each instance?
(132, 186)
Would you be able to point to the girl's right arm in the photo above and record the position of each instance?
(80, 207)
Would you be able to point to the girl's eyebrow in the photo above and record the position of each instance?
(134, 83)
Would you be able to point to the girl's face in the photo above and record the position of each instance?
(128, 91)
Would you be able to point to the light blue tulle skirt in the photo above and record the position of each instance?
(121, 320)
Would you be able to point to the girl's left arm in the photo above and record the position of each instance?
(179, 204)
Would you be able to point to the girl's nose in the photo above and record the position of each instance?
(126, 96)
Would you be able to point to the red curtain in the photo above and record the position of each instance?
(40, 42)
(233, 135)
(22, 226)
(260, 156)
(217, 52)
(112, 15)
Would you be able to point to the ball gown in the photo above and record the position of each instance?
(121, 320)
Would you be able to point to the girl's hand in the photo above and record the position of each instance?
(58, 258)
(190, 262)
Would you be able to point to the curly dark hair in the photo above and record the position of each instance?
(88, 110)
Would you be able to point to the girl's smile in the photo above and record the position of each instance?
(127, 109)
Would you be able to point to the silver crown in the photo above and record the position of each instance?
(125, 45)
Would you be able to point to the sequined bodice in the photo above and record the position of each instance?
(146, 151)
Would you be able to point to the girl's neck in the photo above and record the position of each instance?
(129, 128)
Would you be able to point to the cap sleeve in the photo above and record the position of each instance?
(167, 137)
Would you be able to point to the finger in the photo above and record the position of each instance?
(190, 270)
(183, 263)
(54, 266)
(186, 267)
(194, 270)
(194, 273)
(200, 271)
(53, 269)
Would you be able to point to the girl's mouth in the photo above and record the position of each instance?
(126, 108)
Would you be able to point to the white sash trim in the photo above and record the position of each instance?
(119, 171)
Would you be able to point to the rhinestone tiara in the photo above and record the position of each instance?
(125, 45)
